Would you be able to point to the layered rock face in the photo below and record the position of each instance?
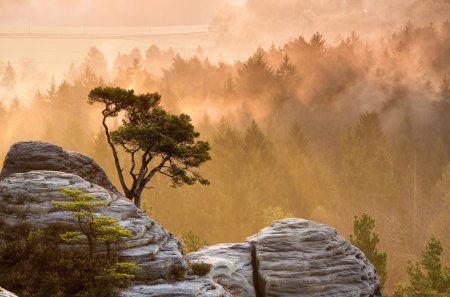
(203, 286)
(292, 257)
(31, 179)
(27, 198)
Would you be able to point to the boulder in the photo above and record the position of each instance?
(292, 257)
(37, 155)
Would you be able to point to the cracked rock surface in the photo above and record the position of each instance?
(292, 257)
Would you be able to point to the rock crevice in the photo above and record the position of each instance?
(259, 288)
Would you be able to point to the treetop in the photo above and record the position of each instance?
(117, 99)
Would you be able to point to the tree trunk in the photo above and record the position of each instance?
(91, 247)
(137, 200)
(135, 197)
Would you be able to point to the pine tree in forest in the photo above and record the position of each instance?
(427, 277)
(368, 171)
(8, 79)
(255, 77)
(96, 61)
(366, 240)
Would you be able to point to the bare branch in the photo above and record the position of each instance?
(146, 159)
(156, 169)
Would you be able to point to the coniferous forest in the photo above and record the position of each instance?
(312, 128)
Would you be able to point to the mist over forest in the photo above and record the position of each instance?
(335, 109)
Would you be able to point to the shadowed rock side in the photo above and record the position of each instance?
(26, 195)
(293, 257)
(37, 155)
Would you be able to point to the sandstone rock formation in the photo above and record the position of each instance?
(31, 179)
(292, 257)
(27, 197)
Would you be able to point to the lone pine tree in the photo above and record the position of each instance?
(156, 141)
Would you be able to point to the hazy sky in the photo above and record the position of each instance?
(109, 12)
(226, 29)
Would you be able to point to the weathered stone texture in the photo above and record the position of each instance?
(292, 257)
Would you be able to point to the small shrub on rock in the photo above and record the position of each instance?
(93, 227)
(177, 273)
(200, 268)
